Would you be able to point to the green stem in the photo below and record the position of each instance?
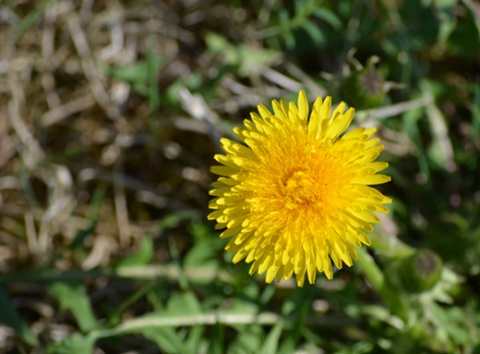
(376, 277)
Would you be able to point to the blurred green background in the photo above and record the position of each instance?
(110, 114)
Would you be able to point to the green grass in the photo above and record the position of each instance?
(104, 241)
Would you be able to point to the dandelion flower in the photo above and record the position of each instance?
(295, 195)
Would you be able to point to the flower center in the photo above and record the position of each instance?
(300, 188)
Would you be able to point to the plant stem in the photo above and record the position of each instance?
(376, 277)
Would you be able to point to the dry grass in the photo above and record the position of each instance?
(68, 130)
(110, 114)
(87, 160)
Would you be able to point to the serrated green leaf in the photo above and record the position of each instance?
(184, 304)
(75, 344)
(248, 340)
(194, 338)
(137, 72)
(72, 297)
(244, 57)
(451, 326)
(216, 42)
(142, 256)
(167, 340)
(204, 252)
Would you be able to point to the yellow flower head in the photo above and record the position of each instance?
(295, 195)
